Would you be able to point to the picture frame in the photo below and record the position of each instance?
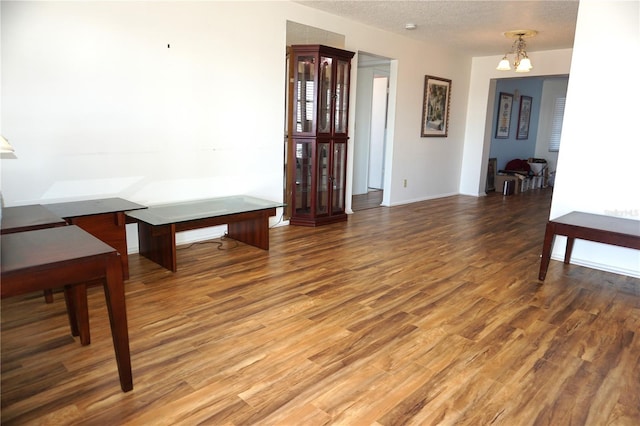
(524, 117)
(505, 104)
(492, 170)
(435, 107)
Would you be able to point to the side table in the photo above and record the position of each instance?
(103, 218)
(69, 257)
(28, 218)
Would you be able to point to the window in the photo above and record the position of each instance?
(556, 125)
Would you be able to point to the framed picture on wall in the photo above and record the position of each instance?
(435, 107)
(524, 116)
(505, 104)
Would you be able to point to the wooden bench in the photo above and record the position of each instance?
(247, 219)
(592, 227)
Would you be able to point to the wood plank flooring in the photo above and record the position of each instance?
(372, 199)
(428, 313)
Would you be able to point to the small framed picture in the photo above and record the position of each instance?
(524, 116)
(505, 104)
(435, 107)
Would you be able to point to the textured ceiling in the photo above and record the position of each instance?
(474, 27)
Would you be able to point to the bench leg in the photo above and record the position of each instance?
(114, 295)
(253, 230)
(546, 250)
(158, 243)
(568, 250)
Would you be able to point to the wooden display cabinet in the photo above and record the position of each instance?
(318, 146)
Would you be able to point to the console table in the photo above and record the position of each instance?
(103, 218)
(69, 257)
(28, 218)
(592, 227)
(247, 219)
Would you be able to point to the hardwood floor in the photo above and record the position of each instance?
(428, 313)
(370, 200)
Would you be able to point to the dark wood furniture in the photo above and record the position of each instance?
(247, 219)
(28, 218)
(318, 148)
(103, 218)
(69, 257)
(592, 227)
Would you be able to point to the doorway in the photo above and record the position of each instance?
(372, 94)
(545, 91)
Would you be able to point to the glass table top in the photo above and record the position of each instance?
(200, 209)
(92, 207)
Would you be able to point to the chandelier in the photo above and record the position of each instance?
(521, 61)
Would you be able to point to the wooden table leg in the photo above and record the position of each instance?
(114, 295)
(158, 243)
(69, 301)
(546, 250)
(75, 297)
(253, 230)
(568, 249)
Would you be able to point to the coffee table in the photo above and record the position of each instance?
(247, 219)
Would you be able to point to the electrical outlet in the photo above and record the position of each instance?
(404, 183)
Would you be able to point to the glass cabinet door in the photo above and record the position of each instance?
(304, 169)
(325, 83)
(319, 117)
(342, 96)
(322, 202)
(305, 94)
(338, 178)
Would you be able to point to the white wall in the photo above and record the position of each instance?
(600, 146)
(96, 104)
(431, 166)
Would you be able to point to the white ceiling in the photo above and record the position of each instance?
(474, 27)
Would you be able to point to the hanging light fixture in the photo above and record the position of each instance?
(521, 61)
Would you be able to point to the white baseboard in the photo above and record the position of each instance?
(599, 266)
